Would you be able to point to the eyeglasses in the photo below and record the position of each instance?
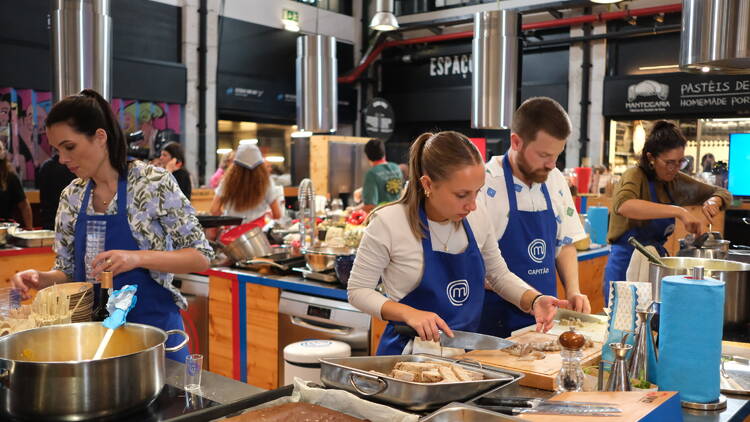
(674, 164)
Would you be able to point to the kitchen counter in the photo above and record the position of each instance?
(213, 386)
(292, 283)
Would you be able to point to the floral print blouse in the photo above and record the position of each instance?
(160, 217)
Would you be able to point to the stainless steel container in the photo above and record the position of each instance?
(33, 238)
(711, 249)
(249, 245)
(323, 259)
(47, 373)
(4, 228)
(353, 374)
(736, 275)
(461, 412)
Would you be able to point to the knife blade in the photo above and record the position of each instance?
(557, 410)
(462, 339)
(511, 401)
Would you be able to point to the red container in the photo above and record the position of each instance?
(583, 176)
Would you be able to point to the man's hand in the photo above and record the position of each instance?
(579, 302)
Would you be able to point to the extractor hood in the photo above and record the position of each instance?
(715, 36)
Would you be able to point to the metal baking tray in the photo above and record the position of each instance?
(462, 412)
(33, 238)
(352, 374)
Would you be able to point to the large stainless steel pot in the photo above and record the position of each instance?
(321, 259)
(47, 373)
(736, 275)
(251, 244)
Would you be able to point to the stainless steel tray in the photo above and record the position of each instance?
(33, 238)
(352, 374)
(461, 412)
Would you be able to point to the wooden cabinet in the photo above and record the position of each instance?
(243, 331)
(590, 279)
(13, 261)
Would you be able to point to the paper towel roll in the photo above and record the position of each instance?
(690, 331)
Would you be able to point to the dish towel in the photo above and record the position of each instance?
(690, 330)
(639, 265)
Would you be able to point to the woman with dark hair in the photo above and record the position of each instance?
(651, 196)
(151, 229)
(433, 248)
(172, 158)
(247, 190)
(12, 197)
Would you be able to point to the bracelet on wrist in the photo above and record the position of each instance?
(533, 301)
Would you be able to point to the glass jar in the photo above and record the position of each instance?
(570, 377)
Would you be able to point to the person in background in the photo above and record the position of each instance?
(173, 159)
(12, 197)
(151, 229)
(226, 161)
(707, 162)
(651, 196)
(433, 248)
(533, 214)
(247, 190)
(53, 178)
(383, 182)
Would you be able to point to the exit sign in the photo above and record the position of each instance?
(290, 15)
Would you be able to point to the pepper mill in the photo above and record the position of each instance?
(618, 378)
(570, 377)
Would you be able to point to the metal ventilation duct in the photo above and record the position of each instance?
(317, 92)
(495, 62)
(81, 47)
(715, 36)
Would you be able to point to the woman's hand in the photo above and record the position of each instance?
(116, 261)
(692, 224)
(24, 280)
(712, 207)
(544, 310)
(426, 324)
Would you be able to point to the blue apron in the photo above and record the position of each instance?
(155, 305)
(655, 233)
(452, 286)
(528, 246)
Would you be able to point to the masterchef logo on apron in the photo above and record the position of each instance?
(537, 250)
(458, 292)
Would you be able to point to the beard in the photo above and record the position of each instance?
(538, 175)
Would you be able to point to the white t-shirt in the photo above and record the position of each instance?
(272, 193)
(390, 250)
(569, 228)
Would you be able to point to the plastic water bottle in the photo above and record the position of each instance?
(96, 232)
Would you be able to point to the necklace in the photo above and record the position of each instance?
(93, 191)
(450, 233)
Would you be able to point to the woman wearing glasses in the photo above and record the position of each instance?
(652, 196)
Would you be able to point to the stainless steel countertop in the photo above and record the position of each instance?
(213, 386)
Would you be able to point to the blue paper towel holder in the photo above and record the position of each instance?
(721, 402)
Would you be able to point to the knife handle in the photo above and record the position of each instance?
(405, 330)
(507, 401)
(505, 410)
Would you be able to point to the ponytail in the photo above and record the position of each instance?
(436, 155)
(87, 112)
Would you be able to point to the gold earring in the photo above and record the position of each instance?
(427, 194)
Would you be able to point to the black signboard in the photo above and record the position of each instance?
(676, 94)
(378, 118)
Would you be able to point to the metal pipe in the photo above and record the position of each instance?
(316, 84)
(583, 138)
(202, 87)
(81, 47)
(495, 69)
(555, 23)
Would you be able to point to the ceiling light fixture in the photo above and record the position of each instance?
(660, 67)
(275, 159)
(252, 141)
(222, 151)
(605, 1)
(384, 19)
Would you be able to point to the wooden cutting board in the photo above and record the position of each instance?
(635, 406)
(539, 373)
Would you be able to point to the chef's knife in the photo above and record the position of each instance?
(512, 401)
(557, 410)
(462, 339)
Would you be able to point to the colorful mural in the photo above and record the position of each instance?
(22, 129)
